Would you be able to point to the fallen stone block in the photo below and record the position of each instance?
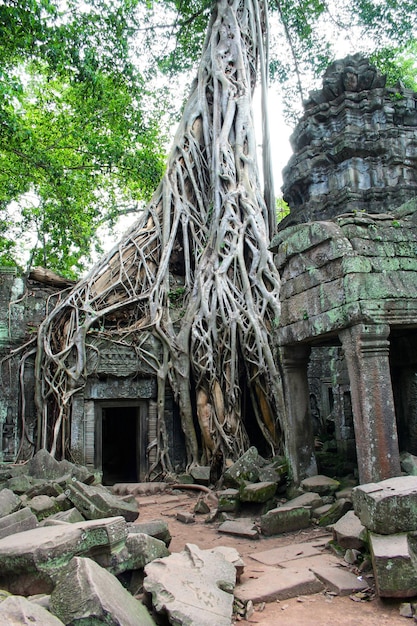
(246, 468)
(279, 584)
(257, 492)
(323, 485)
(395, 574)
(233, 556)
(20, 484)
(277, 556)
(19, 610)
(349, 532)
(192, 587)
(30, 560)
(388, 507)
(17, 522)
(155, 528)
(139, 550)
(96, 502)
(339, 580)
(336, 511)
(320, 511)
(308, 499)
(284, 519)
(43, 506)
(185, 517)
(71, 516)
(201, 474)
(408, 463)
(9, 502)
(228, 500)
(85, 593)
(239, 528)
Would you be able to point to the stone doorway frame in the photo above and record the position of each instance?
(142, 411)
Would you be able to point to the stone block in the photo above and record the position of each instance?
(349, 532)
(408, 463)
(240, 528)
(246, 468)
(96, 502)
(323, 485)
(278, 556)
(71, 516)
(336, 511)
(9, 502)
(285, 519)
(43, 506)
(257, 492)
(17, 522)
(228, 500)
(339, 580)
(201, 474)
(387, 507)
(192, 587)
(19, 610)
(279, 584)
(155, 528)
(86, 593)
(395, 574)
(309, 499)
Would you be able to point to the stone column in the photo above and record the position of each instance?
(299, 439)
(366, 348)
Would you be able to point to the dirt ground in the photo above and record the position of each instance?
(322, 609)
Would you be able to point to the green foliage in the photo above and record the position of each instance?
(79, 136)
(399, 65)
(282, 209)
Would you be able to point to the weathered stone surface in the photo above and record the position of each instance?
(245, 469)
(257, 492)
(43, 506)
(192, 587)
(336, 511)
(155, 528)
(30, 560)
(277, 556)
(309, 499)
(279, 584)
(20, 484)
(71, 516)
(395, 575)
(17, 522)
(85, 593)
(408, 463)
(285, 519)
(228, 500)
(387, 507)
(323, 485)
(9, 502)
(16, 610)
(349, 532)
(339, 580)
(240, 528)
(96, 502)
(201, 474)
(232, 556)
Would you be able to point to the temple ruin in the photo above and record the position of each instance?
(347, 257)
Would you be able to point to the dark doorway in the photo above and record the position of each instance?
(120, 446)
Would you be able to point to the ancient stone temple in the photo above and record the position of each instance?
(347, 255)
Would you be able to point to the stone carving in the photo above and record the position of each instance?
(355, 148)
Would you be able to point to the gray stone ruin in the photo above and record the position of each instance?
(347, 258)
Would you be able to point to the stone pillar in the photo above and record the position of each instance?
(366, 348)
(299, 439)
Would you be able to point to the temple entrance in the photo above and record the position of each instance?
(120, 445)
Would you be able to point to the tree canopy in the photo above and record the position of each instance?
(83, 112)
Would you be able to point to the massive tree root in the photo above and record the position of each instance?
(194, 272)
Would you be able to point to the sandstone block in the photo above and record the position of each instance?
(201, 475)
(257, 492)
(340, 581)
(388, 507)
(96, 502)
(19, 610)
(309, 499)
(192, 587)
(245, 469)
(228, 500)
(17, 522)
(349, 532)
(155, 528)
(285, 519)
(323, 485)
(9, 502)
(85, 593)
(240, 528)
(395, 575)
(279, 584)
(336, 511)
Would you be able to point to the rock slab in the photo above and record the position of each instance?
(193, 587)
